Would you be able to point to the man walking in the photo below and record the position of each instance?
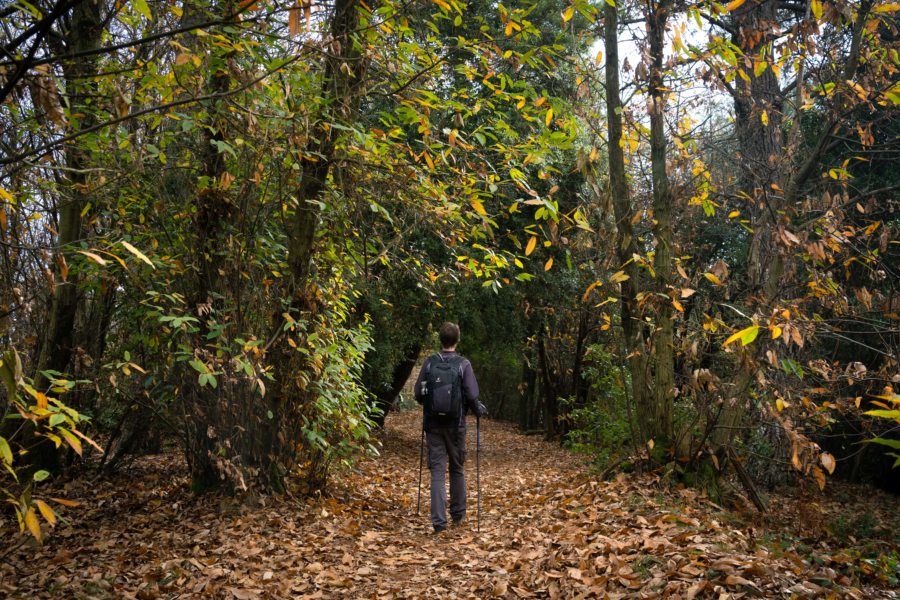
(447, 389)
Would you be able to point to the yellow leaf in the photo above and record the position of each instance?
(88, 440)
(776, 331)
(443, 5)
(650, 444)
(828, 462)
(31, 522)
(529, 248)
(734, 213)
(549, 118)
(618, 277)
(568, 14)
(94, 257)
(521, 102)
(599, 58)
(137, 253)
(72, 440)
(478, 206)
(548, 264)
(509, 27)
(713, 278)
(760, 68)
(885, 8)
(745, 335)
(734, 4)
(764, 117)
(780, 404)
(816, 7)
(45, 509)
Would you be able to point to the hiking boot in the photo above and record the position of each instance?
(439, 529)
(459, 523)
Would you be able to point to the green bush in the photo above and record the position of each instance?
(600, 428)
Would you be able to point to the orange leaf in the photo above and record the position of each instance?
(548, 264)
(31, 522)
(529, 248)
(819, 476)
(294, 20)
(64, 502)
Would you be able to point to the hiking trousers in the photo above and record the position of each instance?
(447, 446)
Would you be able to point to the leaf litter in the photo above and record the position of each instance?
(548, 530)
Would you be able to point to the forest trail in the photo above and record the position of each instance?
(548, 530)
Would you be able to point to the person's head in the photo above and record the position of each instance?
(449, 335)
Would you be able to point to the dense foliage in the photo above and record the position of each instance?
(234, 224)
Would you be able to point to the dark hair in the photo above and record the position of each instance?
(449, 335)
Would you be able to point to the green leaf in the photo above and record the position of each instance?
(895, 444)
(57, 419)
(5, 451)
(141, 7)
(41, 475)
(11, 371)
(199, 366)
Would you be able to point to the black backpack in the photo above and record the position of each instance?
(443, 381)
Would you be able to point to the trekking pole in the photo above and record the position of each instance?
(478, 467)
(421, 458)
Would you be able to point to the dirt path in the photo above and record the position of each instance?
(547, 531)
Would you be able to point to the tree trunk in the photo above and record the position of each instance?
(633, 329)
(58, 342)
(663, 230)
(343, 69)
(208, 410)
(385, 396)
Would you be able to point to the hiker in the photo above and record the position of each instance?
(447, 389)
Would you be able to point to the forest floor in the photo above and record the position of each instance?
(548, 530)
